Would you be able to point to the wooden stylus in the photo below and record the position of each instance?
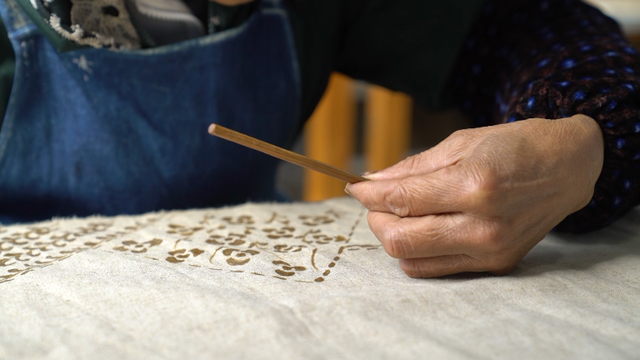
(283, 154)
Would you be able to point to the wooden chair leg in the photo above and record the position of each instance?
(330, 137)
(387, 128)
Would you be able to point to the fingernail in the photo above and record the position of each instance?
(370, 174)
(346, 190)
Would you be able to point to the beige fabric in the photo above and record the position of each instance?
(310, 281)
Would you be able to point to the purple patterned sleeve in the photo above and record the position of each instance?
(554, 59)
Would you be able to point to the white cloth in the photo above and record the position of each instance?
(301, 281)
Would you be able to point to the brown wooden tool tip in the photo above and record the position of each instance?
(282, 154)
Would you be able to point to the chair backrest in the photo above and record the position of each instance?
(331, 133)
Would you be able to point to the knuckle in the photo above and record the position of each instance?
(492, 238)
(459, 135)
(466, 263)
(411, 269)
(487, 180)
(493, 262)
(398, 199)
(372, 220)
(413, 162)
(394, 241)
(499, 258)
(501, 265)
(504, 270)
(482, 190)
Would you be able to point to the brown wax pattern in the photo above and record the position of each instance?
(264, 243)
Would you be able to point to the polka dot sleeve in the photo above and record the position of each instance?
(553, 59)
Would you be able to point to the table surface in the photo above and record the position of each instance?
(292, 281)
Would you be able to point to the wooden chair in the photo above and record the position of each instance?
(330, 134)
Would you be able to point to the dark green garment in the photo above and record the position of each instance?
(405, 45)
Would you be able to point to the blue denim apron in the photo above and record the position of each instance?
(94, 131)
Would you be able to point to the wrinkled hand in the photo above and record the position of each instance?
(481, 199)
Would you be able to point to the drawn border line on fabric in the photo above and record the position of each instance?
(332, 264)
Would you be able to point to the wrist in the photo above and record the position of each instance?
(585, 146)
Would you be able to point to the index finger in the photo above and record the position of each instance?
(436, 193)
